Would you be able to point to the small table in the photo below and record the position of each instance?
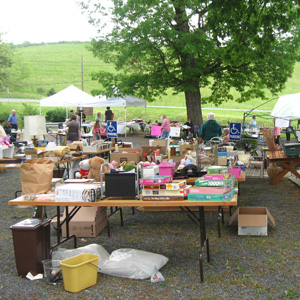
(288, 164)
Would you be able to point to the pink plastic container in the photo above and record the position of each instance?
(235, 171)
(166, 169)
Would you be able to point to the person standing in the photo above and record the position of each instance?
(165, 128)
(277, 132)
(74, 133)
(98, 117)
(253, 123)
(209, 129)
(189, 131)
(13, 120)
(96, 131)
(108, 114)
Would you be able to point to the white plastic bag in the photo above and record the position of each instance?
(129, 263)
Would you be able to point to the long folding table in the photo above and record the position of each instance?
(183, 204)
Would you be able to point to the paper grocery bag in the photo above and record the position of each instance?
(36, 175)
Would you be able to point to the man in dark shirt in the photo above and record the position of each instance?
(74, 133)
(108, 114)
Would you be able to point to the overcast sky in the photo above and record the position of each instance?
(39, 21)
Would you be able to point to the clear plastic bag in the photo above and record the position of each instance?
(129, 263)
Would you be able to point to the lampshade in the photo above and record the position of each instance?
(51, 147)
(35, 125)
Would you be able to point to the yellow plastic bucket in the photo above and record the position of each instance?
(79, 272)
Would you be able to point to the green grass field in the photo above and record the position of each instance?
(56, 66)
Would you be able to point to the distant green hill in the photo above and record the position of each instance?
(58, 65)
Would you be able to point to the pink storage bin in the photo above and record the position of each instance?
(216, 176)
(166, 169)
(210, 190)
(235, 171)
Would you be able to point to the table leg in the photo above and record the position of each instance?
(60, 224)
(204, 241)
(286, 167)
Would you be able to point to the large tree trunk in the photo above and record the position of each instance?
(193, 106)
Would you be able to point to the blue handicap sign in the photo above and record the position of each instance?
(235, 130)
(111, 129)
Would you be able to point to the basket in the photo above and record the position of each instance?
(80, 272)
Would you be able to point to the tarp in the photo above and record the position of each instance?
(287, 107)
(71, 96)
(121, 101)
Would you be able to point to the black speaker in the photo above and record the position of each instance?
(120, 184)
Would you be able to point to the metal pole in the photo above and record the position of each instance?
(125, 122)
(82, 81)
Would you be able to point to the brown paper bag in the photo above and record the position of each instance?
(36, 175)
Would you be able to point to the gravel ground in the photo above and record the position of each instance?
(240, 267)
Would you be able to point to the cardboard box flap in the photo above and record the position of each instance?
(252, 216)
(252, 220)
(234, 216)
(270, 217)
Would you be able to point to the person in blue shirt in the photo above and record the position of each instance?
(253, 123)
(13, 120)
(209, 129)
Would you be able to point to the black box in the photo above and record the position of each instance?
(120, 184)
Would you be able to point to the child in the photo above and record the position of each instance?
(96, 131)
(102, 131)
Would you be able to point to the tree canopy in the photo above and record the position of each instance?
(248, 46)
(5, 61)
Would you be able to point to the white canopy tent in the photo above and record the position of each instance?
(73, 96)
(122, 101)
(70, 96)
(287, 107)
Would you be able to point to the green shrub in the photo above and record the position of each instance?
(28, 110)
(51, 92)
(56, 115)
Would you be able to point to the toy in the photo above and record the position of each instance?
(84, 169)
(182, 164)
(113, 165)
(95, 165)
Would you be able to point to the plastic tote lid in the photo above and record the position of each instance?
(28, 223)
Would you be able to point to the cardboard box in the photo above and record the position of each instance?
(187, 147)
(74, 147)
(130, 154)
(162, 143)
(87, 222)
(79, 143)
(33, 153)
(252, 220)
(91, 149)
(222, 160)
(148, 150)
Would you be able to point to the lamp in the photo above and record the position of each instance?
(51, 147)
(35, 127)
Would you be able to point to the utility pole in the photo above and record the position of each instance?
(82, 81)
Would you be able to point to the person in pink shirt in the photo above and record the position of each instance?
(277, 133)
(165, 128)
